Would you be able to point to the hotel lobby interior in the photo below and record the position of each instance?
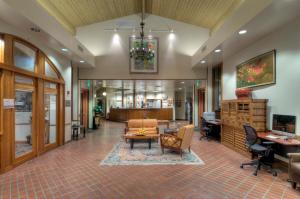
(149, 99)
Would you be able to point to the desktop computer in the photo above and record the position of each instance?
(284, 126)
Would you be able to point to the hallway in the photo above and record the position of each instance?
(73, 171)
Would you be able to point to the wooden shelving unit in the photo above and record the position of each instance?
(236, 113)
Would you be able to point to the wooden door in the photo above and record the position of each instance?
(24, 136)
(85, 108)
(201, 104)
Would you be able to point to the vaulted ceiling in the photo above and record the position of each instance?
(75, 13)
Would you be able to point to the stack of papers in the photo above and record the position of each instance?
(272, 137)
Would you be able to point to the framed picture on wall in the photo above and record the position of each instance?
(258, 71)
(140, 64)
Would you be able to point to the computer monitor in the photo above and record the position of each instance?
(284, 123)
(209, 115)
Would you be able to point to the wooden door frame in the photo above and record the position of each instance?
(50, 146)
(214, 85)
(84, 91)
(7, 115)
(33, 153)
(199, 92)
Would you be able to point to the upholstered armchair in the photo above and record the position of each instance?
(178, 142)
(294, 168)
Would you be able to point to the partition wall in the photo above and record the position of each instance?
(32, 105)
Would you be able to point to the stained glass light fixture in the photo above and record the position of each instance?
(142, 51)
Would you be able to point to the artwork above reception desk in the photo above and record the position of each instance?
(124, 114)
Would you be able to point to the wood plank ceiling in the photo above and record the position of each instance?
(74, 13)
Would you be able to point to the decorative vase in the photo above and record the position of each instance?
(243, 93)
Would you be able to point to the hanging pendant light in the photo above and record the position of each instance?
(142, 51)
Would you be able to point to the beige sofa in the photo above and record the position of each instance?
(150, 126)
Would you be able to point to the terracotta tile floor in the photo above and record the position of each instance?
(73, 171)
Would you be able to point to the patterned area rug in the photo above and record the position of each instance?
(142, 155)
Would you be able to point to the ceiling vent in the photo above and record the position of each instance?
(35, 29)
(80, 48)
(203, 48)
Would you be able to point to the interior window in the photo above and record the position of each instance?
(24, 57)
(23, 122)
(23, 80)
(50, 103)
(50, 85)
(49, 70)
(50, 118)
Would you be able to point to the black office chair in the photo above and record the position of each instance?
(263, 152)
(205, 129)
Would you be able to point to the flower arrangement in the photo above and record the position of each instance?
(243, 93)
(141, 131)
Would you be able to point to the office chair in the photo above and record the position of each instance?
(263, 152)
(206, 129)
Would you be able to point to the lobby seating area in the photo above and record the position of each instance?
(72, 171)
(149, 99)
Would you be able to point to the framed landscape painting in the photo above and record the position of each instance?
(258, 71)
(140, 65)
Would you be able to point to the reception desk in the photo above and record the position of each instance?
(124, 114)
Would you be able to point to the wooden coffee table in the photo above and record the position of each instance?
(133, 137)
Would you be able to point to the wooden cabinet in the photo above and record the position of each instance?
(236, 113)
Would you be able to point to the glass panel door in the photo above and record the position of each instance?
(23, 122)
(50, 101)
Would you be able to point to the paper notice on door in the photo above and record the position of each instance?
(8, 103)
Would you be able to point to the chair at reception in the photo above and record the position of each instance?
(206, 129)
(263, 152)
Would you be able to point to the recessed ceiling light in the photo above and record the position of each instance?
(104, 93)
(35, 29)
(203, 62)
(81, 61)
(179, 88)
(241, 32)
(64, 49)
(217, 50)
(182, 82)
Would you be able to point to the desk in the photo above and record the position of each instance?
(214, 122)
(282, 146)
(289, 142)
(124, 114)
(162, 122)
(216, 128)
(166, 122)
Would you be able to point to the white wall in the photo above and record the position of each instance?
(112, 48)
(62, 63)
(284, 96)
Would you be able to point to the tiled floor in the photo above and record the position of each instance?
(73, 171)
